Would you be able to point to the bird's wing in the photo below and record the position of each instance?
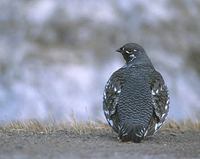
(160, 100)
(111, 98)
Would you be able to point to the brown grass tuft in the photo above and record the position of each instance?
(28, 126)
(80, 128)
(182, 125)
(35, 126)
(89, 127)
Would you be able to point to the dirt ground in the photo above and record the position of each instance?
(64, 144)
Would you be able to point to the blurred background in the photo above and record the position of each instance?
(56, 56)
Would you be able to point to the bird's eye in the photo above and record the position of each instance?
(135, 50)
(128, 52)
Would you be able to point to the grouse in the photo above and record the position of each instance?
(135, 99)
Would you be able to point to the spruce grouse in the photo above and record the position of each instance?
(135, 100)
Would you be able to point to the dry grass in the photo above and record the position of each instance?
(182, 125)
(29, 126)
(90, 127)
(35, 126)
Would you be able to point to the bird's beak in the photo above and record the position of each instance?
(118, 50)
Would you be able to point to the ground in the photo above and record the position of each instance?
(21, 143)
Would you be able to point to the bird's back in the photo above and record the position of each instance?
(128, 101)
(135, 99)
(135, 107)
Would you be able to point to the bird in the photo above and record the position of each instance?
(135, 98)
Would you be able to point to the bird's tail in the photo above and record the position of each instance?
(131, 132)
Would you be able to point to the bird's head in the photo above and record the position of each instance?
(131, 51)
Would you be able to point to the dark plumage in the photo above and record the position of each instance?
(135, 100)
